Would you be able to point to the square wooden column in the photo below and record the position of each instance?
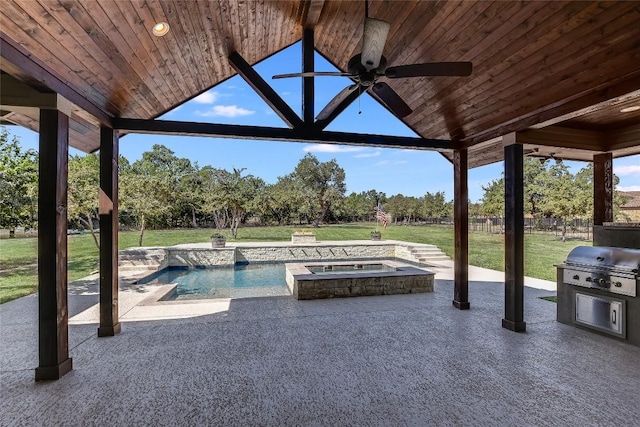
(602, 188)
(461, 230)
(514, 236)
(53, 314)
(108, 211)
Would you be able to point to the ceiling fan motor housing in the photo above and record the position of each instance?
(366, 78)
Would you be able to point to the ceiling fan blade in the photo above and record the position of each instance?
(375, 35)
(337, 100)
(430, 69)
(392, 99)
(312, 74)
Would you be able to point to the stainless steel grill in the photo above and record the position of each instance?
(615, 270)
(597, 290)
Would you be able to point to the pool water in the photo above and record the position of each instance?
(241, 281)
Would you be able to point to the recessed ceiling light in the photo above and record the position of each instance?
(160, 29)
(630, 109)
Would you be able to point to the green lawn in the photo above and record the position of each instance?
(18, 257)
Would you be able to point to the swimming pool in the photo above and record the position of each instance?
(241, 281)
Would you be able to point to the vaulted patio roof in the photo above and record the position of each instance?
(570, 64)
(549, 78)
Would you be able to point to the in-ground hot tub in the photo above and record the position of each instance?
(314, 280)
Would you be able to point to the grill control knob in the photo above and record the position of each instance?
(618, 285)
(576, 277)
(588, 279)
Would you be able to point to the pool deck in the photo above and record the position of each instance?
(389, 360)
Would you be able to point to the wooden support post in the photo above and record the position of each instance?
(53, 322)
(602, 188)
(307, 82)
(514, 237)
(461, 230)
(108, 211)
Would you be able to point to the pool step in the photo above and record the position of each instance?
(427, 253)
(142, 259)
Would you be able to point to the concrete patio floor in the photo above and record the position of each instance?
(390, 360)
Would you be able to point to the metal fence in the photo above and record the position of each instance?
(575, 228)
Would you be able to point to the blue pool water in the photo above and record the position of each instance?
(249, 280)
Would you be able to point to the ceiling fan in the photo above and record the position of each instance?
(367, 67)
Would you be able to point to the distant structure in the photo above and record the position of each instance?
(632, 207)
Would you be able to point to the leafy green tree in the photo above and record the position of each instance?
(213, 201)
(536, 177)
(18, 182)
(361, 206)
(560, 201)
(493, 198)
(279, 201)
(435, 205)
(239, 192)
(84, 183)
(321, 184)
(403, 208)
(149, 186)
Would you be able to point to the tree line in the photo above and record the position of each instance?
(161, 190)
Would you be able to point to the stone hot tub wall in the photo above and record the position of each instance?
(405, 280)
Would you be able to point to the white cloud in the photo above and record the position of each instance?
(628, 188)
(225, 111)
(371, 154)
(330, 148)
(627, 170)
(207, 97)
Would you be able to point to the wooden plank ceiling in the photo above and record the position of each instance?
(534, 62)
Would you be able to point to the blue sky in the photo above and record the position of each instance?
(393, 171)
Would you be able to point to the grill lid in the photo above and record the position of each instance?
(605, 257)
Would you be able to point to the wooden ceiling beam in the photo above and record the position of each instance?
(13, 56)
(18, 96)
(622, 138)
(166, 127)
(265, 91)
(308, 90)
(313, 9)
(557, 136)
(579, 101)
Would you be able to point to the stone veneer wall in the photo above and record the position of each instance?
(313, 253)
(198, 257)
(231, 255)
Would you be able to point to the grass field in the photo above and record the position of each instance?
(18, 257)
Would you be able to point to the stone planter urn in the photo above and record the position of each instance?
(376, 235)
(218, 241)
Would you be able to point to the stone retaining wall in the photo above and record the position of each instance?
(313, 253)
(199, 257)
(227, 256)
